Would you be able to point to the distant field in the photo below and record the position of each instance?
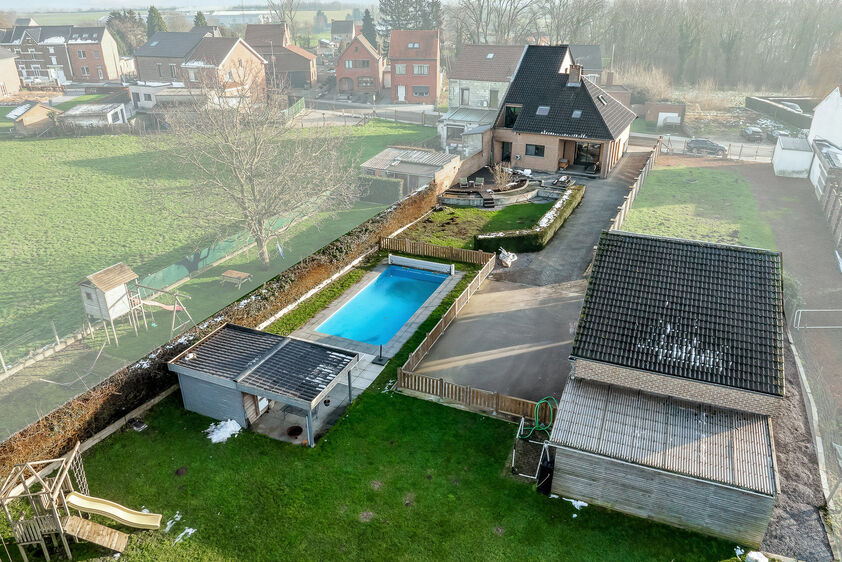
(701, 204)
(64, 18)
(73, 206)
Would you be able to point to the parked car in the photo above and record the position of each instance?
(753, 134)
(774, 135)
(705, 146)
(793, 106)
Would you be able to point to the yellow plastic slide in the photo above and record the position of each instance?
(115, 511)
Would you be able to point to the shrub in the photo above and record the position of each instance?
(533, 239)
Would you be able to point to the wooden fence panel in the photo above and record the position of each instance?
(434, 251)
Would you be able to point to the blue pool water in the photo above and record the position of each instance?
(377, 312)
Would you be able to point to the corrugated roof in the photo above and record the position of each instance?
(170, 44)
(714, 444)
(539, 83)
(260, 362)
(711, 313)
(479, 116)
(426, 39)
(92, 109)
(111, 277)
(391, 157)
(589, 56)
(491, 63)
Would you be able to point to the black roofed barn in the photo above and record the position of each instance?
(553, 118)
(677, 370)
(237, 372)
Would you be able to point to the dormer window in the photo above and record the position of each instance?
(414, 45)
(577, 113)
(543, 110)
(489, 56)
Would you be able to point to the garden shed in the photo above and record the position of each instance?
(105, 294)
(792, 157)
(235, 373)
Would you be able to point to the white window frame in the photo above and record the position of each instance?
(421, 69)
(85, 71)
(81, 54)
(400, 69)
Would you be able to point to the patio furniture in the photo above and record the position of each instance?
(235, 277)
(463, 183)
(479, 182)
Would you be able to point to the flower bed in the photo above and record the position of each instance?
(535, 238)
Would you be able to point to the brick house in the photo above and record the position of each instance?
(360, 68)
(286, 63)
(414, 56)
(9, 81)
(677, 370)
(160, 58)
(93, 54)
(555, 119)
(41, 51)
(477, 83)
(229, 61)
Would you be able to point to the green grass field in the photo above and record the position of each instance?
(708, 204)
(396, 478)
(457, 226)
(86, 98)
(76, 205)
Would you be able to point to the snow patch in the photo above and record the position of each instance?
(578, 504)
(755, 556)
(184, 534)
(220, 432)
(173, 521)
(738, 551)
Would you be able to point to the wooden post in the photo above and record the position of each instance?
(496, 402)
(55, 332)
(105, 327)
(2, 362)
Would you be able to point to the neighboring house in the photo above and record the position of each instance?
(93, 55)
(9, 81)
(676, 372)
(477, 83)
(360, 68)
(95, 114)
(225, 61)
(127, 67)
(160, 58)
(554, 119)
(414, 57)
(589, 57)
(42, 52)
(286, 63)
(32, 118)
(825, 138)
(341, 32)
(212, 30)
(415, 166)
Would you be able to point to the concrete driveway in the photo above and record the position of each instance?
(511, 338)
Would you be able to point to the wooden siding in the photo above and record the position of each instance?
(251, 407)
(682, 501)
(725, 446)
(214, 401)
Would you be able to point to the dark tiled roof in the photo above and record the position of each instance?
(473, 62)
(427, 39)
(86, 34)
(263, 34)
(42, 33)
(263, 361)
(707, 312)
(341, 27)
(589, 56)
(170, 44)
(538, 83)
(211, 51)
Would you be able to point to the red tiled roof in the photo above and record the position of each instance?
(300, 52)
(427, 40)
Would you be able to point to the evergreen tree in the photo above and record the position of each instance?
(435, 17)
(397, 14)
(369, 31)
(199, 20)
(128, 30)
(154, 22)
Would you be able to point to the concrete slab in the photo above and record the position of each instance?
(511, 338)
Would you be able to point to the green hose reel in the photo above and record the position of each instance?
(549, 402)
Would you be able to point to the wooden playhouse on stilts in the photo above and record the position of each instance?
(46, 502)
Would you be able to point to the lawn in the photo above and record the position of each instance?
(456, 227)
(708, 204)
(641, 126)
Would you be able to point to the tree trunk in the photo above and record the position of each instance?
(262, 251)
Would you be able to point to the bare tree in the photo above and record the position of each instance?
(285, 11)
(501, 175)
(249, 166)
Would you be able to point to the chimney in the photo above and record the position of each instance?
(574, 76)
(609, 77)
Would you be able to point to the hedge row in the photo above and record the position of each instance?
(381, 190)
(533, 239)
(77, 420)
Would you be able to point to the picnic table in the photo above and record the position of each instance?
(235, 277)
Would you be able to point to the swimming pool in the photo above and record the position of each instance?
(377, 312)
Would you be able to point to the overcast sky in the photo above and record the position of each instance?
(75, 5)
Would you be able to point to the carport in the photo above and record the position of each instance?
(235, 371)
